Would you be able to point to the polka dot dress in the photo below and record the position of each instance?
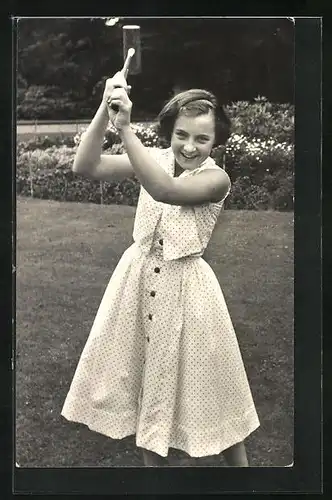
(162, 359)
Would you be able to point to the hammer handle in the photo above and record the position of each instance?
(126, 64)
(124, 70)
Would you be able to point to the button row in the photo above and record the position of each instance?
(153, 293)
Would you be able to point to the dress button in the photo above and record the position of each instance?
(157, 269)
(153, 293)
(150, 316)
(148, 339)
(161, 242)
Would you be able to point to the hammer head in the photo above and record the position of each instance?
(132, 39)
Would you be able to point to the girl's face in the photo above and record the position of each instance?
(192, 139)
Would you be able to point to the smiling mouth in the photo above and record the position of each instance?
(188, 157)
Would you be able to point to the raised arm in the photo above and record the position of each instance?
(211, 185)
(89, 160)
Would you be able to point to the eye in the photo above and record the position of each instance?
(203, 139)
(180, 133)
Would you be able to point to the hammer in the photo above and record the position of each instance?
(131, 40)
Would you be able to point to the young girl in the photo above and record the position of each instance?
(162, 360)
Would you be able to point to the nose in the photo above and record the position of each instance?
(189, 147)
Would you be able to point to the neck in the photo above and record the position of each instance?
(177, 169)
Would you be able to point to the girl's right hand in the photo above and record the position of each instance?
(117, 81)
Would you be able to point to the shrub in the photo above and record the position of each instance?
(45, 142)
(256, 158)
(262, 173)
(262, 119)
(42, 102)
(248, 196)
(245, 195)
(283, 196)
(49, 173)
(261, 170)
(146, 133)
(48, 102)
(258, 121)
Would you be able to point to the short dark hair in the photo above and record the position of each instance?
(196, 102)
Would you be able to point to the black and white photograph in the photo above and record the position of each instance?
(154, 242)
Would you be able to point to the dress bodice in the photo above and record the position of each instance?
(184, 230)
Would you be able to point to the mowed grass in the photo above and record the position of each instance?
(26, 136)
(66, 253)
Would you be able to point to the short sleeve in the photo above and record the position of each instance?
(161, 156)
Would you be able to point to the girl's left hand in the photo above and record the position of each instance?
(121, 118)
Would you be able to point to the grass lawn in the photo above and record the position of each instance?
(26, 136)
(66, 253)
(62, 130)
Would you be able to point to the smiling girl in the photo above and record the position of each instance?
(162, 359)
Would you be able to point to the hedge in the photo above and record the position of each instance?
(259, 159)
(261, 172)
(259, 118)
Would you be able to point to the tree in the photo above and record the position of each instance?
(237, 59)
